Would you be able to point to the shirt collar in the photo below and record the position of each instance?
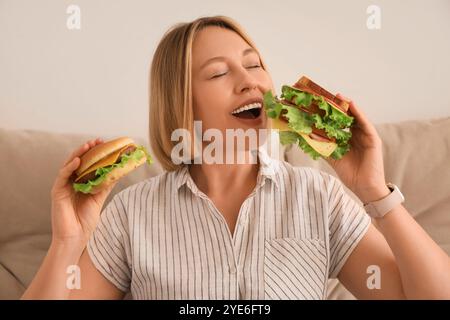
(267, 170)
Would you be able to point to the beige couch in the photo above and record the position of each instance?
(416, 157)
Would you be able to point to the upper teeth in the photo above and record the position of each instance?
(255, 105)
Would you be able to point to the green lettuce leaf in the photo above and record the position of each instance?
(341, 136)
(298, 120)
(272, 106)
(101, 173)
(339, 119)
(288, 137)
(300, 98)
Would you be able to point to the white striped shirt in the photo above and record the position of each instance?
(164, 239)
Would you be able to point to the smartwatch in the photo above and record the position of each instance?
(378, 209)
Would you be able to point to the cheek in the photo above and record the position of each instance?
(266, 81)
(210, 105)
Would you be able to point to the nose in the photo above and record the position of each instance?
(247, 83)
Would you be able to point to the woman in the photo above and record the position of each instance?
(230, 231)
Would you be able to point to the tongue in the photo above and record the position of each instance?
(247, 114)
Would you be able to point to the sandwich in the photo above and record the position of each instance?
(106, 163)
(310, 116)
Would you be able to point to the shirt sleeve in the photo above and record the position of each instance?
(348, 223)
(109, 246)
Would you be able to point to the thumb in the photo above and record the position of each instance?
(65, 172)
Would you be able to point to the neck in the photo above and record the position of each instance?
(219, 179)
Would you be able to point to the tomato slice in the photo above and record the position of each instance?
(319, 138)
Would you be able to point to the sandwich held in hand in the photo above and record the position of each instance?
(308, 115)
(106, 163)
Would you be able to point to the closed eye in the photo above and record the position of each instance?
(219, 75)
(222, 74)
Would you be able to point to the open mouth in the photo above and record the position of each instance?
(251, 111)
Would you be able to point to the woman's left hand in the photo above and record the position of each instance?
(362, 169)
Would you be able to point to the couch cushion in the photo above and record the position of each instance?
(25, 230)
(416, 158)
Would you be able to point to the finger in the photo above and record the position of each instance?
(93, 143)
(65, 172)
(348, 100)
(78, 152)
(361, 119)
(340, 96)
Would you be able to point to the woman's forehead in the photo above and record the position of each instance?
(214, 42)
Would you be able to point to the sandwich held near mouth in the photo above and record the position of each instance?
(106, 163)
(308, 115)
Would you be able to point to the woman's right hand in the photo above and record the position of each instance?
(74, 214)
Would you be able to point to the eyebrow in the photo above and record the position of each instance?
(244, 53)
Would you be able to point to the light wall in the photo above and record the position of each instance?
(94, 80)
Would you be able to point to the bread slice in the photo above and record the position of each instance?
(309, 85)
(100, 152)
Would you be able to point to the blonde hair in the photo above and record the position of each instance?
(171, 105)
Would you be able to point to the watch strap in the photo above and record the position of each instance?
(378, 209)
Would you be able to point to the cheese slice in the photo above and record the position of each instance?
(107, 161)
(324, 148)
